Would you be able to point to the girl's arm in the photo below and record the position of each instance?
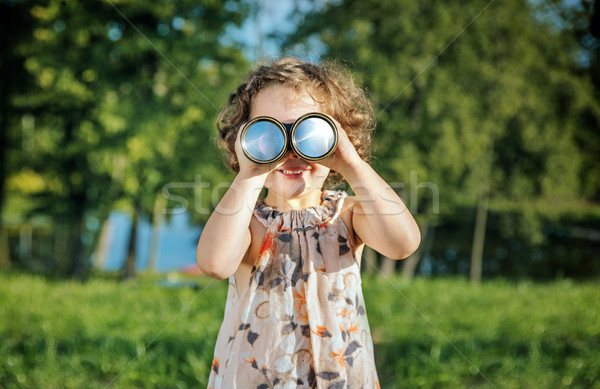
(379, 217)
(226, 237)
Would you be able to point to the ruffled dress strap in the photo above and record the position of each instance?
(333, 201)
(326, 212)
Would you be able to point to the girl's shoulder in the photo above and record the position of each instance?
(350, 205)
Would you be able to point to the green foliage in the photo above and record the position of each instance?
(481, 101)
(118, 100)
(66, 334)
(429, 334)
(448, 333)
(130, 102)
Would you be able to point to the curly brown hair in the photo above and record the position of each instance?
(329, 84)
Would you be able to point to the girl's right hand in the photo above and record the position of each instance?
(249, 168)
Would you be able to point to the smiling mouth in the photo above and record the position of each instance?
(293, 172)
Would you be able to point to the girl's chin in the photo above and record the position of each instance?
(291, 188)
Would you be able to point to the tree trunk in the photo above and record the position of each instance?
(78, 265)
(25, 238)
(411, 263)
(6, 75)
(157, 223)
(129, 268)
(59, 251)
(479, 240)
(369, 261)
(4, 250)
(388, 266)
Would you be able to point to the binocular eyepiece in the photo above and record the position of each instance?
(312, 137)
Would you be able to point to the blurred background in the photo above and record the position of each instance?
(488, 126)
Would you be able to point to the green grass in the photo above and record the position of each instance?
(441, 333)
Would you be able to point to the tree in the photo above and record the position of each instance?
(484, 102)
(120, 98)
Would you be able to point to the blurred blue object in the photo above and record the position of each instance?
(176, 246)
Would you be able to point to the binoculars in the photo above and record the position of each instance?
(312, 137)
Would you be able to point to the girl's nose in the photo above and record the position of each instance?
(292, 154)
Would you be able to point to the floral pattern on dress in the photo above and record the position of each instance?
(301, 321)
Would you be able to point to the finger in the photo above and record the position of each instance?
(238, 138)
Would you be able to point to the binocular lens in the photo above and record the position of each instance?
(314, 138)
(264, 141)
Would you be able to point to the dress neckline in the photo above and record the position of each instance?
(331, 203)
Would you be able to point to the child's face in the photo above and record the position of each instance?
(287, 105)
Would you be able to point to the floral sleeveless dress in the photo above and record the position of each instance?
(301, 322)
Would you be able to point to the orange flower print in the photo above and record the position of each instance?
(325, 223)
(348, 319)
(340, 357)
(267, 244)
(300, 305)
(251, 362)
(322, 331)
(215, 365)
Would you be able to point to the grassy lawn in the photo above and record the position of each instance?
(442, 333)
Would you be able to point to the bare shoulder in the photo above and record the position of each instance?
(257, 233)
(346, 213)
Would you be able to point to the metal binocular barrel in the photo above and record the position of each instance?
(312, 137)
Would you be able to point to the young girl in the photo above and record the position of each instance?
(295, 316)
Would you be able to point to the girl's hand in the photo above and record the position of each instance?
(345, 155)
(249, 168)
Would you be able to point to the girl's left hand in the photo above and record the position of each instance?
(345, 154)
